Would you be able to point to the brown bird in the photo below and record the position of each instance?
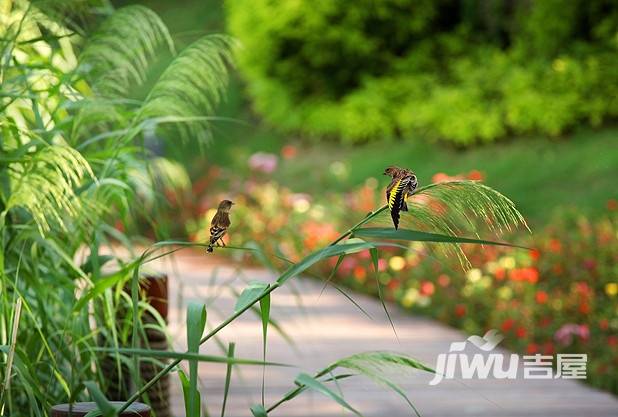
(402, 186)
(219, 224)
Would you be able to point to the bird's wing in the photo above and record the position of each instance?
(397, 198)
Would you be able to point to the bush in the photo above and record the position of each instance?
(460, 71)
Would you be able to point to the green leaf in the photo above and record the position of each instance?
(314, 384)
(187, 356)
(196, 322)
(418, 236)
(374, 260)
(98, 289)
(315, 257)
(228, 377)
(258, 410)
(250, 294)
(99, 261)
(105, 408)
(265, 313)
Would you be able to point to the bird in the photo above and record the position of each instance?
(219, 224)
(402, 185)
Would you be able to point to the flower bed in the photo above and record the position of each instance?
(560, 297)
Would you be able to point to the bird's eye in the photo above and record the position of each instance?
(414, 178)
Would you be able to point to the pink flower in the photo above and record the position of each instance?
(263, 162)
(565, 334)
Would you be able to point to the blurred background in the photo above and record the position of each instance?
(522, 95)
(120, 127)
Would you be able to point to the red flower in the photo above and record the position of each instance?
(603, 324)
(541, 297)
(507, 325)
(555, 246)
(584, 308)
(535, 254)
(393, 284)
(500, 273)
(427, 288)
(548, 348)
(520, 332)
(444, 280)
(612, 340)
(612, 204)
(460, 310)
(532, 348)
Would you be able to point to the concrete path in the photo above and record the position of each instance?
(329, 327)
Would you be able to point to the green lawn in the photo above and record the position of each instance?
(539, 174)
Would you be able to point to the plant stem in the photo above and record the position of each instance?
(234, 316)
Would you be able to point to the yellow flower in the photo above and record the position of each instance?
(474, 274)
(397, 263)
(507, 262)
(611, 289)
(491, 267)
(409, 297)
(505, 293)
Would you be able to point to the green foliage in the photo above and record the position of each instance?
(462, 71)
(71, 164)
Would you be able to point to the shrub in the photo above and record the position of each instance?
(460, 71)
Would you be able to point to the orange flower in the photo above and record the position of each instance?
(535, 254)
(612, 204)
(555, 246)
(541, 297)
(476, 175)
(289, 151)
(500, 274)
(532, 348)
(360, 274)
(460, 310)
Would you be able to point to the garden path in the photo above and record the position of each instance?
(329, 327)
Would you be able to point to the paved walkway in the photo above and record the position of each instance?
(329, 327)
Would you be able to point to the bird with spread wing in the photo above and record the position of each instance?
(402, 185)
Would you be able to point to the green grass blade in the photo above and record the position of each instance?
(265, 312)
(228, 377)
(258, 410)
(250, 294)
(418, 236)
(312, 383)
(196, 322)
(374, 261)
(105, 408)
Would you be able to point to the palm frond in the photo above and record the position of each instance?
(44, 184)
(118, 55)
(191, 87)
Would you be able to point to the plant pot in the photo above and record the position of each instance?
(81, 409)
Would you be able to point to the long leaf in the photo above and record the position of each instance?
(196, 322)
(250, 294)
(312, 383)
(265, 312)
(105, 407)
(418, 236)
(187, 356)
(374, 259)
(228, 377)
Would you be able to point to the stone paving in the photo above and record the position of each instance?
(328, 327)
